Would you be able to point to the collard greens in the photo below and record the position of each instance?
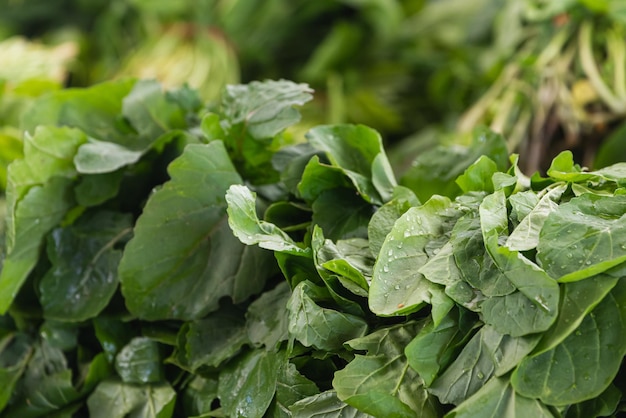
(164, 259)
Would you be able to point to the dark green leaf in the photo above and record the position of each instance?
(342, 214)
(247, 385)
(83, 276)
(185, 275)
(267, 317)
(214, 340)
(381, 383)
(291, 387)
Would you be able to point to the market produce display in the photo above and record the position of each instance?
(428, 221)
(164, 260)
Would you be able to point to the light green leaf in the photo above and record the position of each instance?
(246, 226)
(97, 157)
(319, 177)
(185, 275)
(247, 385)
(150, 112)
(526, 235)
(498, 399)
(322, 328)
(477, 177)
(383, 219)
(325, 405)
(583, 365)
(139, 361)
(584, 237)
(40, 210)
(533, 307)
(83, 276)
(264, 108)
(397, 287)
(115, 399)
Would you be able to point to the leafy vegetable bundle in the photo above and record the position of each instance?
(166, 260)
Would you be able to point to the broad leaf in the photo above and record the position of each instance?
(246, 225)
(115, 399)
(185, 275)
(139, 361)
(584, 237)
(291, 387)
(498, 399)
(397, 287)
(267, 317)
(583, 365)
(325, 405)
(83, 276)
(381, 383)
(247, 386)
(319, 327)
(487, 354)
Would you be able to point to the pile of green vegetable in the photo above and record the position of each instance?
(163, 259)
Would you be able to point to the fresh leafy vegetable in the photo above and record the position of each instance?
(216, 264)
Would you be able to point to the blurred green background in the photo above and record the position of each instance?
(547, 74)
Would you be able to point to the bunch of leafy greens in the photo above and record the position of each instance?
(163, 260)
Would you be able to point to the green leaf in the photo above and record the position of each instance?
(383, 219)
(115, 399)
(583, 365)
(113, 335)
(185, 275)
(578, 299)
(267, 317)
(15, 351)
(584, 237)
(319, 327)
(291, 387)
(489, 353)
(357, 150)
(603, 406)
(319, 177)
(98, 157)
(83, 276)
(435, 346)
(214, 340)
(199, 396)
(40, 210)
(264, 108)
(342, 214)
(247, 384)
(381, 383)
(139, 361)
(94, 110)
(246, 226)
(397, 287)
(95, 189)
(498, 399)
(477, 177)
(325, 405)
(526, 235)
(150, 111)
